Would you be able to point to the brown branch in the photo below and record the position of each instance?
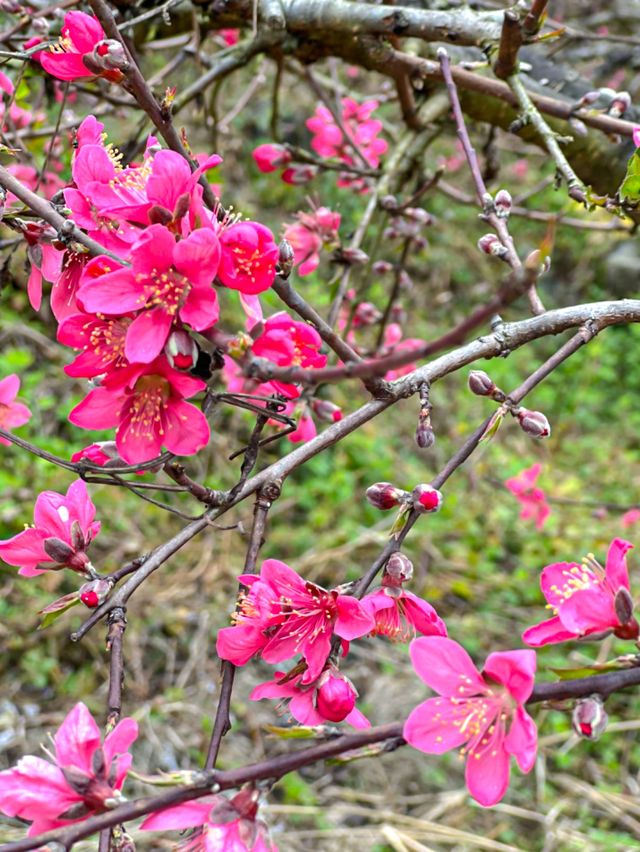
(510, 43)
(531, 23)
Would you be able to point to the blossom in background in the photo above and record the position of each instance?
(308, 235)
(223, 824)
(332, 698)
(230, 36)
(631, 517)
(533, 500)
(481, 711)
(282, 615)
(85, 778)
(586, 599)
(146, 405)
(362, 130)
(393, 343)
(12, 413)
(270, 157)
(64, 527)
(288, 342)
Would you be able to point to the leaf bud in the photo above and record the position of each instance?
(286, 258)
(491, 245)
(589, 718)
(534, 423)
(181, 350)
(389, 202)
(503, 203)
(536, 263)
(426, 498)
(418, 214)
(384, 495)
(398, 570)
(480, 383)
(620, 104)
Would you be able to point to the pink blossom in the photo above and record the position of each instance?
(224, 825)
(282, 615)
(484, 712)
(298, 175)
(393, 343)
(65, 286)
(586, 599)
(167, 281)
(63, 530)
(328, 140)
(94, 453)
(533, 500)
(248, 259)
(399, 614)
(146, 404)
(636, 136)
(12, 413)
(631, 517)
(271, 157)
(230, 36)
(287, 342)
(79, 36)
(45, 260)
(308, 235)
(101, 339)
(306, 428)
(331, 698)
(85, 778)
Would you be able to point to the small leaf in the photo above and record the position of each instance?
(399, 522)
(299, 732)
(587, 671)
(493, 426)
(56, 608)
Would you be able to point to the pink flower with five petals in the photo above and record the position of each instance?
(586, 599)
(481, 711)
(533, 500)
(79, 35)
(12, 413)
(248, 259)
(399, 614)
(288, 342)
(85, 778)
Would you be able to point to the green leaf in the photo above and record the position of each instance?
(588, 671)
(494, 424)
(56, 608)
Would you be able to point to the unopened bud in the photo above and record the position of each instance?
(425, 436)
(418, 214)
(298, 175)
(384, 495)
(286, 258)
(336, 696)
(382, 267)
(589, 718)
(480, 383)
(352, 256)
(40, 25)
(491, 245)
(107, 55)
(181, 350)
(94, 593)
(366, 314)
(503, 203)
(426, 498)
(534, 423)
(271, 157)
(398, 570)
(620, 104)
(589, 98)
(623, 604)
(326, 410)
(389, 202)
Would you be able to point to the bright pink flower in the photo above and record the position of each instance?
(224, 825)
(306, 428)
(586, 599)
(270, 157)
(309, 234)
(65, 286)
(328, 140)
(399, 614)
(282, 615)
(287, 342)
(482, 711)
(533, 500)
(6, 84)
(249, 257)
(86, 777)
(393, 343)
(631, 517)
(94, 453)
(101, 340)
(331, 698)
(146, 403)
(167, 281)
(636, 136)
(63, 530)
(12, 413)
(230, 36)
(79, 36)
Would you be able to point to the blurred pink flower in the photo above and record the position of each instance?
(79, 35)
(85, 777)
(230, 36)
(12, 413)
(329, 141)
(631, 517)
(393, 343)
(586, 599)
(484, 712)
(533, 500)
(308, 235)
(636, 136)
(270, 157)
(64, 529)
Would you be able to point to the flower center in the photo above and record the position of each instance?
(164, 289)
(146, 404)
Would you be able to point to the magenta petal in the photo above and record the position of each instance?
(302, 709)
(186, 429)
(616, 565)
(353, 620)
(120, 738)
(77, 738)
(422, 616)
(79, 502)
(154, 250)
(445, 666)
(514, 669)
(98, 410)
(92, 164)
(48, 514)
(589, 610)
(64, 66)
(272, 689)
(238, 644)
(429, 727)
(487, 774)
(547, 632)
(170, 178)
(115, 292)
(187, 815)
(9, 388)
(283, 578)
(200, 309)
(147, 335)
(554, 578)
(25, 549)
(84, 30)
(357, 719)
(34, 789)
(522, 740)
(198, 257)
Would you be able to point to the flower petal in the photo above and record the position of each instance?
(514, 669)
(547, 632)
(616, 565)
(430, 726)
(445, 666)
(522, 740)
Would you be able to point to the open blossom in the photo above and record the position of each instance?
(12, 413)
(249, 257)
(332, 698)
(287, 343)
(224, 825)
(146, 404)
(70, 58)
(85, 778)
(481, 711)
(533, 500)
(282, 615)
(586, 599)
(64, 527)
(309, 234)
(101, 339)
(270, 157)
(400, 614)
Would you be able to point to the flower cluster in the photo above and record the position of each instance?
(132, 317)
(309, 234)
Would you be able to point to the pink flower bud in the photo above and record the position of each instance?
(326, 410)
(95, 592)
(298, 175)
(389, 202)
(382, 267)
(335, 697)
(425, 436)
(286, 258)
(589, 98)
(366, 314)
(181, 350)
(534, 423)
(426, 498)
(589, 718)
(636, 136)
(352, 255)
(271, 157)
(491, 245)
(384, 495)
(620, 104)
(503, 203)
(107, 55)
(398, 570)
(480, 383)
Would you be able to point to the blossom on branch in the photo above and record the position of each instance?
(586, 599)
(288, 342)
(12, 413)
(82, 44)
(309, 234)
(63, 530)
(84, 778)
(533, 500)
(481, 711)
(248, 259)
